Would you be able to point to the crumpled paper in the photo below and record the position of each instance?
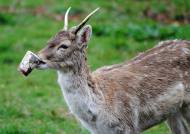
(28, 63)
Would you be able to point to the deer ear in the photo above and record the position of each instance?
(84, 35)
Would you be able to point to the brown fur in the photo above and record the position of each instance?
(147, 75)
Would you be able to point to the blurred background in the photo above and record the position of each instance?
(121, 29)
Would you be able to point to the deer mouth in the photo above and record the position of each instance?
(29, 62)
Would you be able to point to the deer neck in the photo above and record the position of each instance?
(76, 79)
(78, 91)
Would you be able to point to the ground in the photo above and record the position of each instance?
(121, 30)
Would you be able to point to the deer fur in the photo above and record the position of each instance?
(125, 98)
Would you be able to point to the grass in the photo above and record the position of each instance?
(35, 105)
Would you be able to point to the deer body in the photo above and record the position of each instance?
(133, 96)
(126, 98)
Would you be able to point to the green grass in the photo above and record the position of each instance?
(34, 105)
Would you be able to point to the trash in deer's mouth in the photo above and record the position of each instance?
(29, 62)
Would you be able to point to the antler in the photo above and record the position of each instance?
(66, 19)
(84, 21)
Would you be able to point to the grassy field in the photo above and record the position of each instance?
(121, 29)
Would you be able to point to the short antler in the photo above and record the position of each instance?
(66, 20)
(84, 21)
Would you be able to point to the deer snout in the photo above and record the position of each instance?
(42, 55)
(43, 63)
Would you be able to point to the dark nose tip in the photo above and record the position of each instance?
(48, 57)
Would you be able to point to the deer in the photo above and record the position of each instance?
(124, 98)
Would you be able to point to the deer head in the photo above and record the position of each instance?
(66, 50)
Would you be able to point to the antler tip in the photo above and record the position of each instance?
(97, 8)
(69, 8)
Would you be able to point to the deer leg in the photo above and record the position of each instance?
(178, 124)
(186, 113)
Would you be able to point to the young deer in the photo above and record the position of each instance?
(126, 98)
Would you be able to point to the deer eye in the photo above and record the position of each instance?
(63, 46)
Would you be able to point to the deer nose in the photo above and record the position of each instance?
(41, 55)
(42, 58)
